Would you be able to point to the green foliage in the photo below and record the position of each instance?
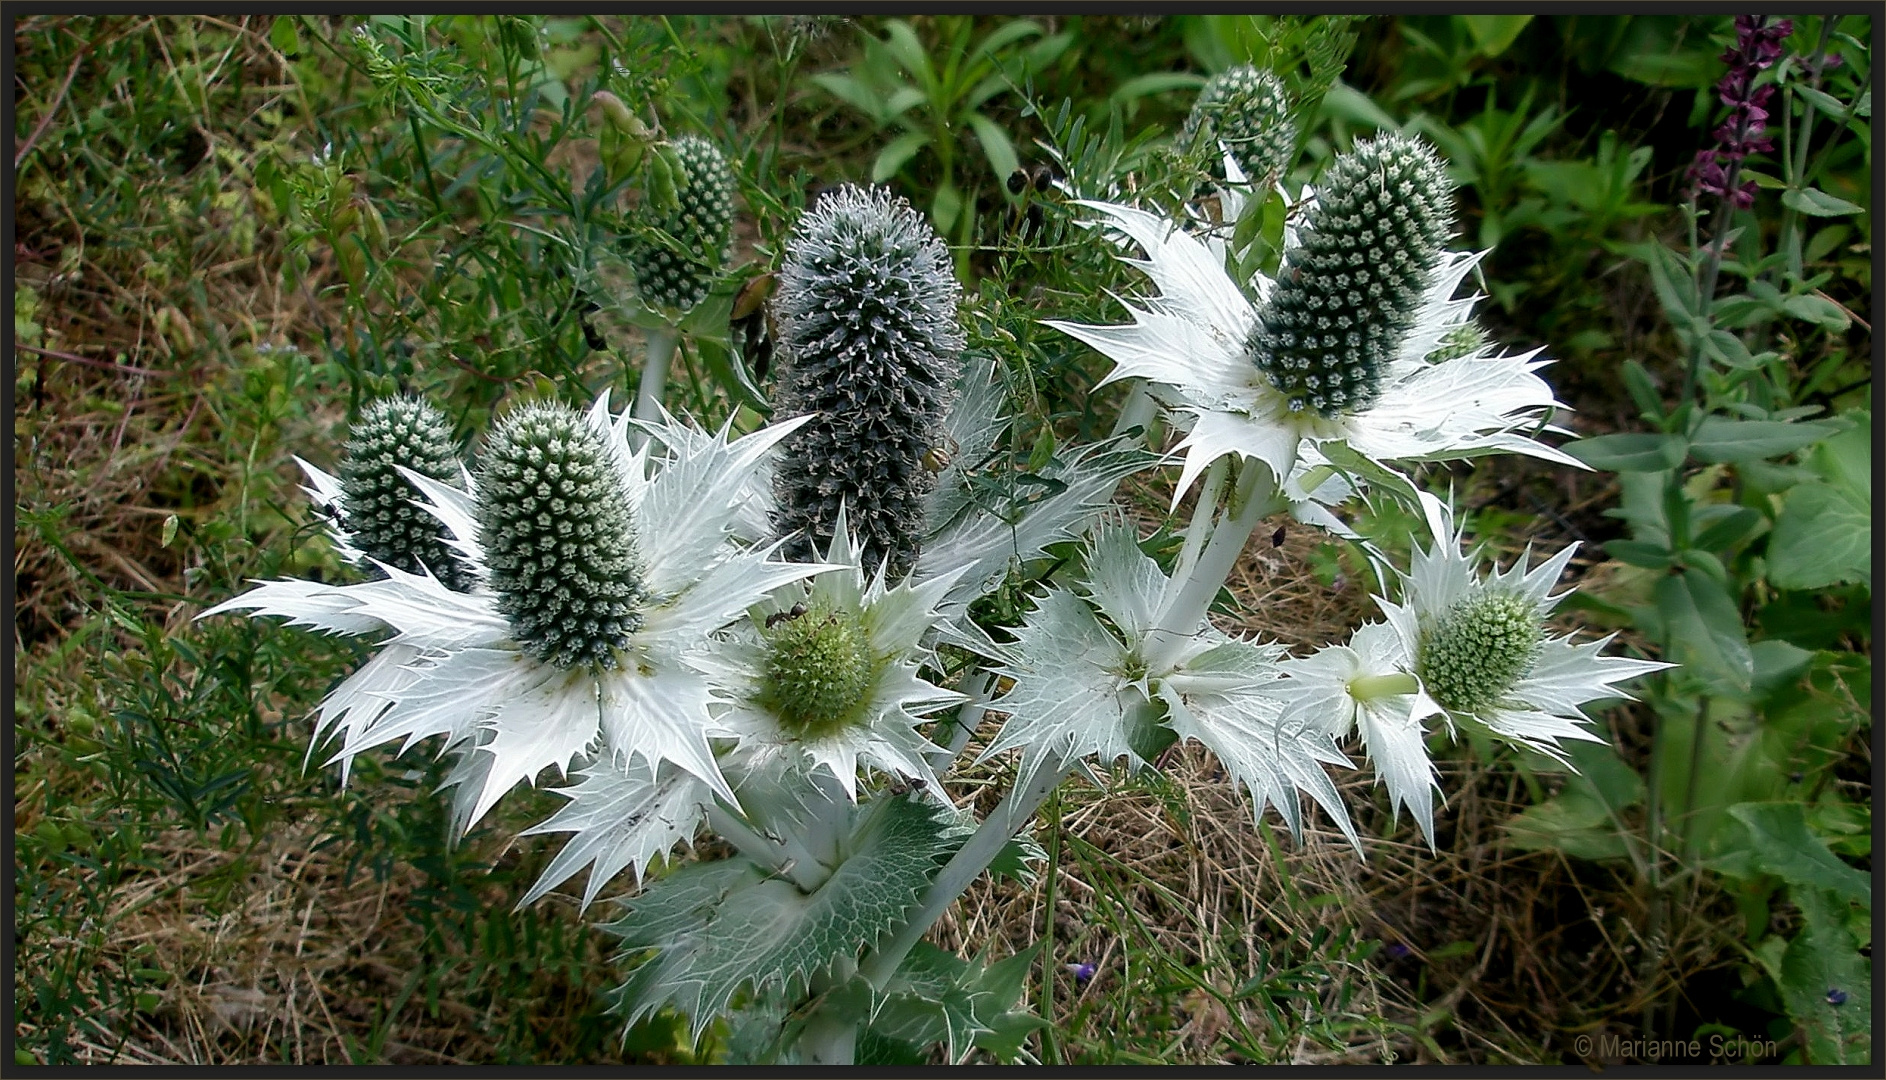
(711, 930)
(934, 93)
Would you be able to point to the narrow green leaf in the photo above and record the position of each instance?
(1630, 452)
(995, 145)
(1720, 439)
(1494, 34)
(1818, 203)
(1823, 101)
(896, 153)
(1158, 82)
(1817, 310)
(944, 206)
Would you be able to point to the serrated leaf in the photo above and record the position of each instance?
(1827, 985)
(1719, 439)
(1780, 843)
(938, 997)
(718, 928)
(1823, 537)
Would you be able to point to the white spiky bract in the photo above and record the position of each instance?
(1192, 343)
(472, 684)
(1082, 685)
(1540, 707)
(879, 731)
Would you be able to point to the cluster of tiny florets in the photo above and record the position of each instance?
(1475, 652)
(1349, 292)
(1463, 340)
(819, 672)
(553, 519)
(1248, 109)
(678, 276)
(378, 503)
(867, 325)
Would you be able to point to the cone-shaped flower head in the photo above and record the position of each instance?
(377, 504)
(867, 324)
(677, 277)
(1248, 110)
(1463, 340)
(553, 518)
(825, 675)
(1479, 643)
(1350, 291)
(1473, 652)
(819, 671)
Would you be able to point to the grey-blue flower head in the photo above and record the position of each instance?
(867, 326)
(380, 512)
(553, 519)
(1349, 293)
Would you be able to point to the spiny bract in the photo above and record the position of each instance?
(678, 277)
(1349, 292)
(553, 519)
(380, 513)
(867, 324)
(1479, 647)
(1248, 110)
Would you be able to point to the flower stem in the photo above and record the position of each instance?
(1253, 499)
(1016, 810)
(976, 683)
(1203, 511)
(661, 349)
(797, 866)
(1138, 412)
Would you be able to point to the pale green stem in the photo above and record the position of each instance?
(661, 350)
(1138, 412)
(829, 1039)
(1016, 810)
(1203, 512)
(787, 859)
(977, 684)
(1254, 498)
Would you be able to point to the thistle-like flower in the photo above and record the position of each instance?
(825, 674)
(1482, 651)
(1262, 377)
(867, 327)
(1248, 110)
(603, 580)
(675, 277)
(371, 511)
(1094, 677)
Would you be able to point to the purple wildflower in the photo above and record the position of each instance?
(1757, 47)
(1081, 972)
(1836, 996)
(1396, 950)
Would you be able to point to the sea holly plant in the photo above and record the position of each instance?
(768, 636)
(680, 252)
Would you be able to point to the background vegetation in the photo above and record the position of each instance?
(231, 231)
